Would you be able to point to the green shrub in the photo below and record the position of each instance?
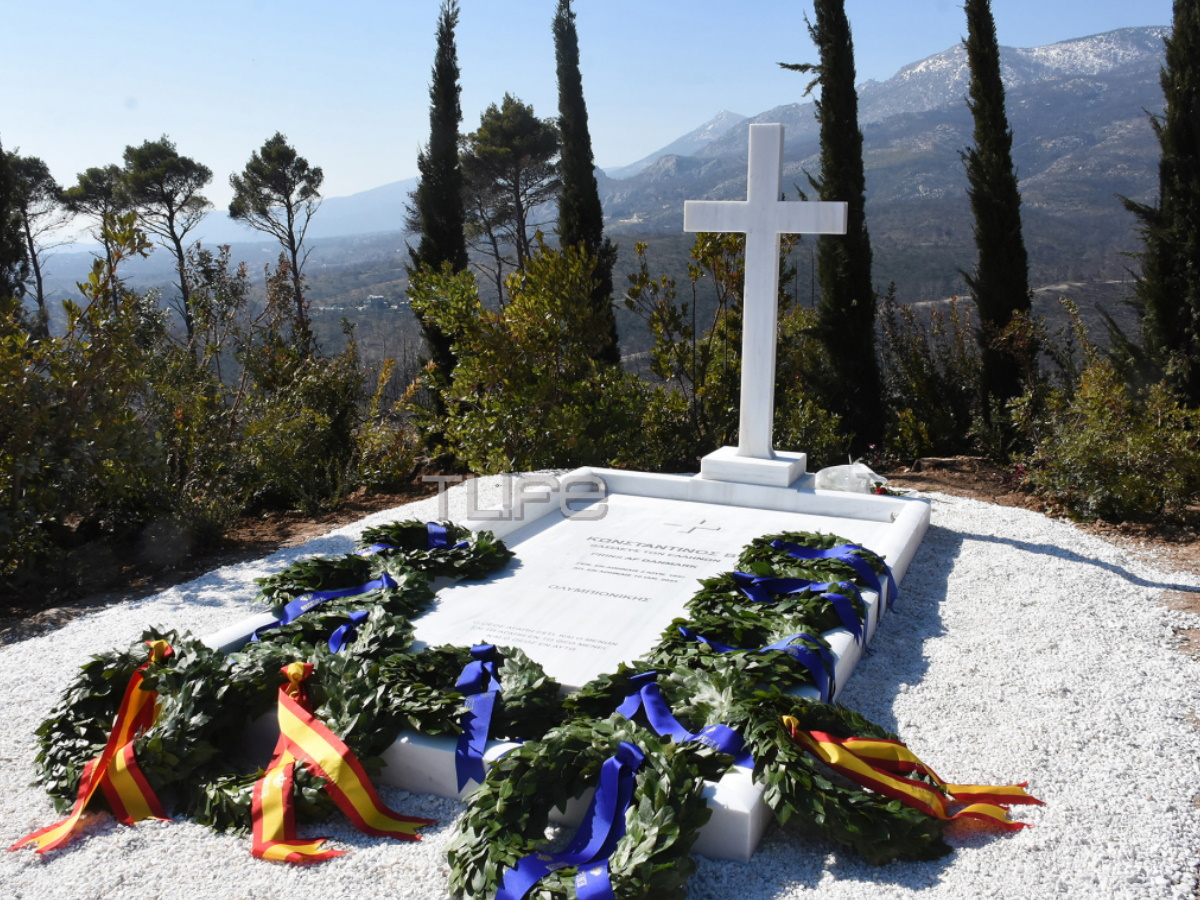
(299, 438)
(119, 437)
(1108, 452)
(931, 372)
(75, 457)
(385, 449)
(801, 421)
(908, 437)
(527, 392)
(802, 424)
(694, 407)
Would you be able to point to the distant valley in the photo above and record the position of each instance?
(1081, 136)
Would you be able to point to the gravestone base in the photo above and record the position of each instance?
(584, 594)
(726, 464)
(425, 765)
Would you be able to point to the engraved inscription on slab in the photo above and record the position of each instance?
(583, 596)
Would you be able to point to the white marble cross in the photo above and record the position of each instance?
(763, 217)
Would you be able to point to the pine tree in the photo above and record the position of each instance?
(164, 187)
(1000, 283)
(1168, 288)
(437, 209)
(278, 193)
(40, 205)
(509, 177)
(851, 386)
(580, 216)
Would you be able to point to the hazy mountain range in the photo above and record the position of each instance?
(1081, 136)
(1076, 109)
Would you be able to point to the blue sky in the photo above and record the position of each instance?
(348, 81)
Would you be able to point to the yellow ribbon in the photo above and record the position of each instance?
(115, 771)
(302, 738)
(879, 765)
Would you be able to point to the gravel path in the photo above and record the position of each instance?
(1021, 648)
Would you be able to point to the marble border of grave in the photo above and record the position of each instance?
(424, 764)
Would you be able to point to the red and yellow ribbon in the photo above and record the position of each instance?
(115, 771)
(302, 738)
(881, 766)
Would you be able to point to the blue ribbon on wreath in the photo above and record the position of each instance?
(602, 826)
(305, 602)
(348, 632)
(819, 661)
(765, 589)
(437, 537)
(847, 553)
(645, 694)
(480, 685)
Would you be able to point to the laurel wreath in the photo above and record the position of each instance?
(720, 612)
(192, 729)
(367, 702)
(386, 630)
(377, 687)
(796, 786)
(482, 555)
(760, 558)
(508, 815)
(409, 562)
(345, 695)
(720, 596)
(422, 691)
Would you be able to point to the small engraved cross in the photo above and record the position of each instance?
(688, 529)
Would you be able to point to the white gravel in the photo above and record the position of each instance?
(1021, 649)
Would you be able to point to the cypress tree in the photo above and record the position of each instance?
(13, 261)
(851, 386)
(1168, 288)
(580, 216)
(437, 208)
(1000, 283)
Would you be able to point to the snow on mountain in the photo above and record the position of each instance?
(691, 144)
(944, 78)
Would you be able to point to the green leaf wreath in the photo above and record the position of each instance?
(508, 815)
(482, 555)
(376, 687)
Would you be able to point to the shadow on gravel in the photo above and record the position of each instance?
(896, 658)
(915, 875)
(1071, 556)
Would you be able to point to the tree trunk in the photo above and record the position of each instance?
(185, 294)
(41, 327)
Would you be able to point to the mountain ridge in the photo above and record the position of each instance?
(1081, 135)
(928, 85)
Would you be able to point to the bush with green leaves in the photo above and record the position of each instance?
(1111, 452)
(526, 392)
(74, 453)
(386, 449)
(696, 361)
(122, 431)
(801, 421)
(931, 372)
(691, 403)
